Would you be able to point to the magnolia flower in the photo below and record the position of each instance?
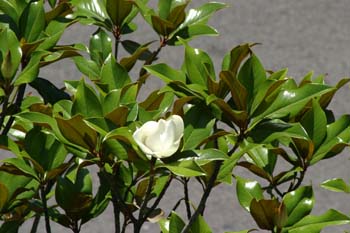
(160, 139)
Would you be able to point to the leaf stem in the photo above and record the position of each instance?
(46, 213)
(142, 211)
(153, 57)
(202, 203)
(186, 198)
(35, 223)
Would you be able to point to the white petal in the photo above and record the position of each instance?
(179, 125)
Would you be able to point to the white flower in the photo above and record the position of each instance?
(160, 139)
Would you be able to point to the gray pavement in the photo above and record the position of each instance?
(301, 35)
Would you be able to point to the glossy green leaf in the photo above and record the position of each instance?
(244, 231)
(200, 226)
(75, 196)
(111, 101)
(247, 190)
(161, 26)
(20, 167)
(44, 149)
(10, 227)
(314, 224)
(337, 138)
(252, 75)
(268, 214)
(199, 66)
(190, 32)
(176, 223)
(11, 53)
(87, 67)
(31, 70)
(76, 131)
(92, 12)
(13, 8)
(336, 185)
(269, 131)
(225, 173)
(201, 14)
(184, 168)
(4, 195)
(113, 74)
(14, 183)
(129, 62)
(32, 21)
(239, 93)
(208, 155)
(290, 101)
(100, 46)
(118, 10)
(299, 204)
(315, 123)
(86, 101)
(48, 91)
(131, 47)
(166, 73)
(196, 132)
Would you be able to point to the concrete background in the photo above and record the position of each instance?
(301, 35)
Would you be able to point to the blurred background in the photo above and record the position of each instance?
(301, 35)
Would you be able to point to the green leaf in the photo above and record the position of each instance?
(336, 185)
(129, 62)
(21, 166)
(75, 195)
(190, 32)
(4, 195)
(13, 183)
(161, 26)
(92, 12)
(176, 223)
(118, 10)
(338, 136)
(87, 67)
(200, 226)
(202, 14)
(299, 204)
(100, 46)
(131, 47)
(31, 71)
(44, 149)
(111, 101)
(268, 214)
(50, 93)
(113, 74)
(32, 21)
(196, 130)
(76, 131)
(247, 190)
(199, 66)
(10, 227)
(208, 155)
(164, 8)
(184, 168)
(269, 131)
(166, 73)
(314, 224)
(86, 102)
(290, 101)
(315, 123)
(11, 53)
(252, 75)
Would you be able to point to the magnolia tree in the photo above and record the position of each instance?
(198, 127)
